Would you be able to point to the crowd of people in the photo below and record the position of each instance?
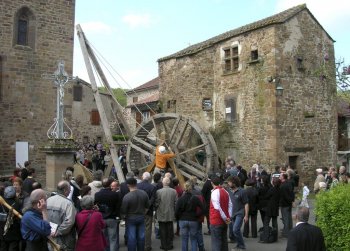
(82, 216)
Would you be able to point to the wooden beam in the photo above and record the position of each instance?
(177, 172)
(146, 144)
(192, 149)
(181, 134)
(191, 169)
(119, 107)
(99, 104)
(176, 124)
(140, 150)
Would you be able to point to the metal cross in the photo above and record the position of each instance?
(60, 79)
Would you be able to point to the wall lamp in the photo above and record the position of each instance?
(279, 89)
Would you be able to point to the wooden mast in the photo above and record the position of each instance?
(103, 116)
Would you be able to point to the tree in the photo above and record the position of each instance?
(343, 79)
(119, 94)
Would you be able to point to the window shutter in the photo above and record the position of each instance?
(95, 117)
(138, 118)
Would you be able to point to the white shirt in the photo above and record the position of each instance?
(215, 200)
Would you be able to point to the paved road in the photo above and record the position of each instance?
(251, 243)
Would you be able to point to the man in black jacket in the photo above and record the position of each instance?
(286, 201)
(146, 186)
(305, 237)
(109, 205)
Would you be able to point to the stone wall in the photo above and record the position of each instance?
(28, 102)
(130, 111)
(81, 116)
(307, 115)
(268, 129)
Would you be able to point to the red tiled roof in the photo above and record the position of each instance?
(154, 83)
(275, 19)
(152, 98)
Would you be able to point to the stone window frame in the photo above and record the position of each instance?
(25, 14)
(135, 99)
(231, 58)
(230, 103)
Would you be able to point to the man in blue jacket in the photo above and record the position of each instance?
(35, 226)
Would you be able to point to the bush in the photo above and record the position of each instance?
(332, 212)
(119, 137)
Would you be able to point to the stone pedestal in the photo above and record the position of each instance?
(59, 155)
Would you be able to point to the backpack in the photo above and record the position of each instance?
(272, 235)
(105, 210)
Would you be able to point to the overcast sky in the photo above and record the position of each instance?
(131, 35)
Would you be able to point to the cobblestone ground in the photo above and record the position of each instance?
(251, 243)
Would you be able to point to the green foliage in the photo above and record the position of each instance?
(332, 211)
(119, 94)
(120, 137)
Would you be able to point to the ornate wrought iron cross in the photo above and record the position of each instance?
(59, 128)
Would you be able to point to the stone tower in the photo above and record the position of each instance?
(34, 36)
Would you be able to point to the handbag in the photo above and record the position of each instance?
(3, 215)
(85, 223)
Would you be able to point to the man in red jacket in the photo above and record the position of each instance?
(220, 214)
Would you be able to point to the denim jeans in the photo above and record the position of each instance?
(219, 237)
(136, 233)
(236, 227)
(200, 241)
(188, 230)
(112, 234)
(287, 220)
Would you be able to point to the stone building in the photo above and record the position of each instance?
(85, 121)
(34, 36)
(229, 84)
(142, 102)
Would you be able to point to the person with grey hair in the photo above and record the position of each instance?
(62, 212)
(90, 226)
(96, 184)
(305, 237)
(165, 212)
(319, 178)
(146, 186)
(35, 226)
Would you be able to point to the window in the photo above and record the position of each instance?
(85, 140)
(25, 27)
(77, 93)
(206, 104)
(254, 55)
(134, 99)
(95, 117)
(22, 30)
(146, 115)
(230, 110)
(231, 59)
(171, 104)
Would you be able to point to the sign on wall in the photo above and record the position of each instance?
(22, 152)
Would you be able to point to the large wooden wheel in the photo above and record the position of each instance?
(195, 148)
